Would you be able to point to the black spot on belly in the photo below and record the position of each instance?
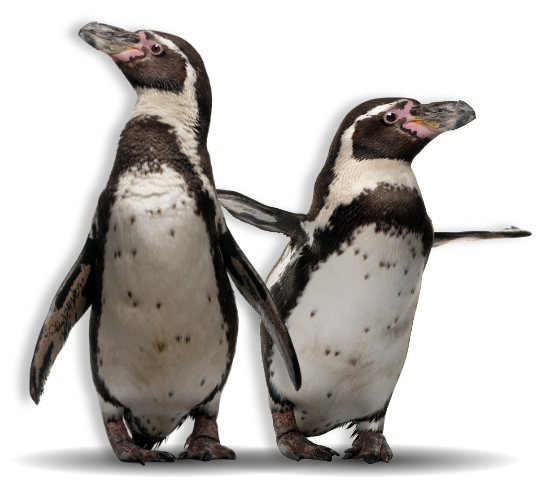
(154, 428)
(178, 338)
(315, 430)
(366, 330)
(412, 291)
(353, 362)
(202, 383)
(209, 301)
(364, 256)
(336, 353)
(161, 347)
(367, 276)
(389, 327)
(148, 421)
(357, 251)
(173, 206)
(305, 412)
(158, 305)
(399, 293)
(132, 220)
(272, 374)
(220, 341)
(183, 203)
(170, 394)
(328, 396)
(100, 362)
(135, 303)
(114, 228)
(396, 319)
(405, 271)
(327, 352)
(313, 312)
(302, 418)
(187, 339)
(129, 294)
(134, 251)
(159, 212)
(328, 424)
(172, 233)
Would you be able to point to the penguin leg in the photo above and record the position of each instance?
(369, 445)
(122, 444)
(292, 442)
(203, 443)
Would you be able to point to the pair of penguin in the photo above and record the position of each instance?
(163, 324)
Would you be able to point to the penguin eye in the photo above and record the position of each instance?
(391, 117)
(155, 49)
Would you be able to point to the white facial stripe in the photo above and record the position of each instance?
(376, 111)
(179, 110)
(353, 176)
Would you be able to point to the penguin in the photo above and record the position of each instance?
(164, 322)
(348, 282)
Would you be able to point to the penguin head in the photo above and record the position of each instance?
(399, 128)
(153, 60)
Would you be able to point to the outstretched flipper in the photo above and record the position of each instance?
(442, 238)
(262, 216)
(275, 220)
(71, 301)
(252, 287)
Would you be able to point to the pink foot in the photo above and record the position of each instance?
(292, 442)
(203, 444)
(127, 451)
(371, 446)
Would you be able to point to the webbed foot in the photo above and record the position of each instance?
(203, 444)
(127, 451)
(292, 442)
(371, 446)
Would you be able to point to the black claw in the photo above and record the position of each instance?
(138, 459)
(207, 455)
(333, 452)
(347, 456)
(324, 455)
(371, 458)
(166, 456)
(232, 455)
(182, 455)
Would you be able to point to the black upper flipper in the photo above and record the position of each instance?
(262, 216)
(71, 301)
(254, 290)
(442, 238)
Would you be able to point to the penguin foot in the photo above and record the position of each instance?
(203, 444)
(371, 446)
(292, 442)
(127, 451)
(296, 447)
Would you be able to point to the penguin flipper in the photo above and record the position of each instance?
(254, 290)
(442, 238)
(262, 216)
(71, 301)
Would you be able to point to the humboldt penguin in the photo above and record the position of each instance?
(347, 284)
(164, 322)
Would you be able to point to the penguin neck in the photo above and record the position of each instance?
(179, 110)
(347, 178)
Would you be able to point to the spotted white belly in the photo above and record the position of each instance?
(351, 329)
(161, 337)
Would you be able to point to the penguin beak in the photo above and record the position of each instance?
(442, 116)
(111, 40)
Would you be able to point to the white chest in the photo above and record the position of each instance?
(351, 328)
(162, 337)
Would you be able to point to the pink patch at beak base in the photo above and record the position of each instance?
(126, 56)
(419, 130)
